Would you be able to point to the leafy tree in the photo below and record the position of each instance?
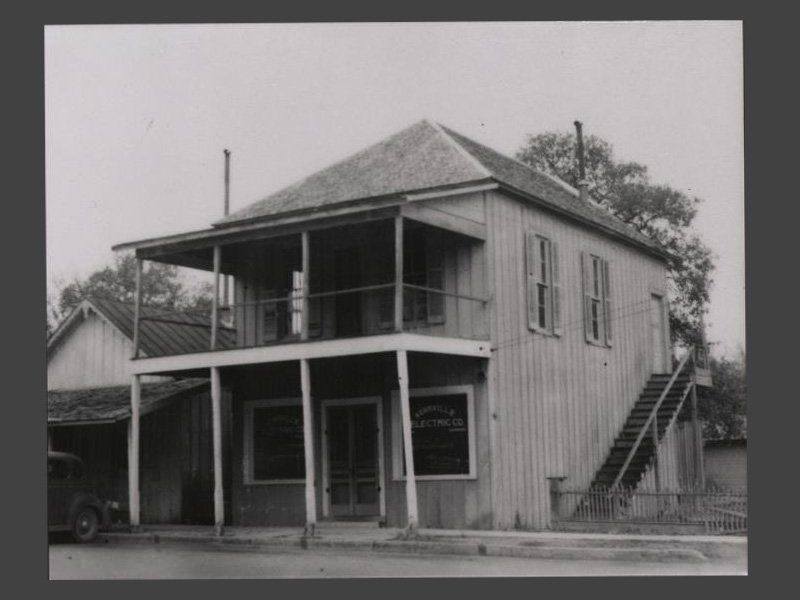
(658, 211)
(723, 408)
(161, 286)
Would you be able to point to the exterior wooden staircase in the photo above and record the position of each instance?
(634, 450)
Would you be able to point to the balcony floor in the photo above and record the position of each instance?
(311, 349)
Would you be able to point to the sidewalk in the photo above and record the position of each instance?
(518, 544)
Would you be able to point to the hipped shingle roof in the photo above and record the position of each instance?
(427, 156)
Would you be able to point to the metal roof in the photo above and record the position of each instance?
(165, 331)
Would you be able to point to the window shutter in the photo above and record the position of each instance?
(435, 280)
(607, 302)
(315, 304)
(586, 276)
(270, 312)
(384, 272)
(556, 286)
(531, 280)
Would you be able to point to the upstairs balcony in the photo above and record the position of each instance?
(350, 281)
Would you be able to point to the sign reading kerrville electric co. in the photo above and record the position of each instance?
(439, 434)
(439, 416)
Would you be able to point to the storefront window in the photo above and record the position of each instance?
(274, 450)
(442, 434)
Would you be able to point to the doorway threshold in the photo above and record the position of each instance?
(354, 522)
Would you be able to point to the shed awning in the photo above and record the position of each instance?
(112, 404)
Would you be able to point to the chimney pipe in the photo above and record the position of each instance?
(227, 210)
(227, 181)
(583, 185)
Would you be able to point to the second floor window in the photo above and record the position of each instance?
(543, 289)
(596, 299)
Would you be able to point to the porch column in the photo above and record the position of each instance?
(133, 453)
(405, 409)
(137, 307)
(215, 297)
(304, 316)
(398, 273)
(308, 443)
(697, 430)
(216, 426)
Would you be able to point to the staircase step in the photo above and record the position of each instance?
(656, 394)
(626, 444)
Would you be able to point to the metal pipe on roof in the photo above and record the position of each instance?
(226, 210)
(583, 185)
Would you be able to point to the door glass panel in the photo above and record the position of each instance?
(338, 433)
(365, 436)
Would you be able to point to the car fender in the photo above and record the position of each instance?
(83, 500)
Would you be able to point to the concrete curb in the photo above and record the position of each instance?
(422, 547)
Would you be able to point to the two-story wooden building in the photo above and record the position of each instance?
(426, 333)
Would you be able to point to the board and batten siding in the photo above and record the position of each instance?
(93, 354)
(558, 402)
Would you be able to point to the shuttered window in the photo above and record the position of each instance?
(423, 265)
(543, 286)
(597, 303)
(383, 263)
(435, 280)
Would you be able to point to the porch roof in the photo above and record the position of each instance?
(112, 404)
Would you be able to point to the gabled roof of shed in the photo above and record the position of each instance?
(161, 332)
(111, 404)
(427, 156)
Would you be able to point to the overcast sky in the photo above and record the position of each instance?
(137, 117)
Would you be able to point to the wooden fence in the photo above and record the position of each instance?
(718, 511)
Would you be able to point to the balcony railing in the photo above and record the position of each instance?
(353, 312)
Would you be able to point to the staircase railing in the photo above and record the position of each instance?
(651, 418)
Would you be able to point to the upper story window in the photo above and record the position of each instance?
(423, 265)
(543, 288)
(596, 299)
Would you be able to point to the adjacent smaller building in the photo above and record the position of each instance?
(726, 463)
(88, 408)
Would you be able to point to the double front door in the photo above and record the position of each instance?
(352, 434)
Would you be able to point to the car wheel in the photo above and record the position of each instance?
(86, 525)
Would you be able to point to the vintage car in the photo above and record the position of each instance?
(71, 505)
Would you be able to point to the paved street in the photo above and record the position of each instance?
(104, 561)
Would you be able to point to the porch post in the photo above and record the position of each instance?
(398, 273)
(133, 453)
(697, 431)
(137, 307)
(216, 426)
(308, 442)
(215, 297)
(405, 409)
(304, 316)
